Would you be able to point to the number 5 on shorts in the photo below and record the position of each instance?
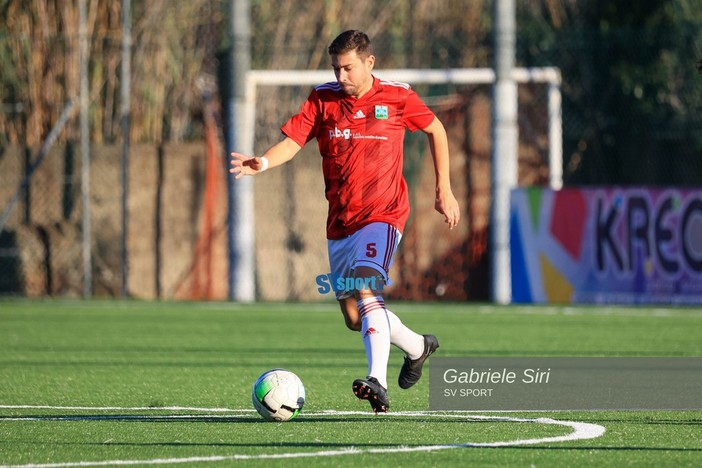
(371, 251)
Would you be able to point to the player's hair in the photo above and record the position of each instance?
(350, 40)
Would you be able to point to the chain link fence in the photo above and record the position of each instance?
(632, 103)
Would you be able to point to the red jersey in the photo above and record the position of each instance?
(361, 144)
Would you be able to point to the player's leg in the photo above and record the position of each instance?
(370, 388)
(377, 324)
(367, 255)
(378, 243)
(375, 331)
(372, 251)
(375, 327)
(373, 244)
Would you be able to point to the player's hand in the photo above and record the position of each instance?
(242, 165)
(447, 205)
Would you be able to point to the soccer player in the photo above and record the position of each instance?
(359, 122)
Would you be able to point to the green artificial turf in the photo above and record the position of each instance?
(122, 382)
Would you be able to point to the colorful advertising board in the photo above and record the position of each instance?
(606, 245)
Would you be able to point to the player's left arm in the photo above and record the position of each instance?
(445, 203)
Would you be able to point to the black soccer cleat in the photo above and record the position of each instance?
(411, 370)
(371, 390)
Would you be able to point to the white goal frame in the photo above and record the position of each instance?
(549, 75)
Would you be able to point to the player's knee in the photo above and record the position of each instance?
(366, 294)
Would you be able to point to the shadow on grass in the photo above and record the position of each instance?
(237, 419)
(338, 445)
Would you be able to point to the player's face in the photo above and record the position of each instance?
(353, 72)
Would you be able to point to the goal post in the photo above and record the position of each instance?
(550, 76)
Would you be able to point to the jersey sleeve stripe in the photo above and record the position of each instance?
(398, 84)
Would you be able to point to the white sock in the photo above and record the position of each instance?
(375, 331)
(404, 338)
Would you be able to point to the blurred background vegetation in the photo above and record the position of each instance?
(632, 100)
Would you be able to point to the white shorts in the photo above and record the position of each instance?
(373, 246)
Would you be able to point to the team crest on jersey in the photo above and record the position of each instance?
(381, 112)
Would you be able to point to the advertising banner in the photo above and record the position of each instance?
(606, 245)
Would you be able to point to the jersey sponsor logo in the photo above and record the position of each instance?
(347, 135)
(339, 133)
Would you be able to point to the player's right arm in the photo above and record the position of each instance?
(280, 153)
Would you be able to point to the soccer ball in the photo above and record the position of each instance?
(278, 395)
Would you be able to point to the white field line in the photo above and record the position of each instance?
(580, 431)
